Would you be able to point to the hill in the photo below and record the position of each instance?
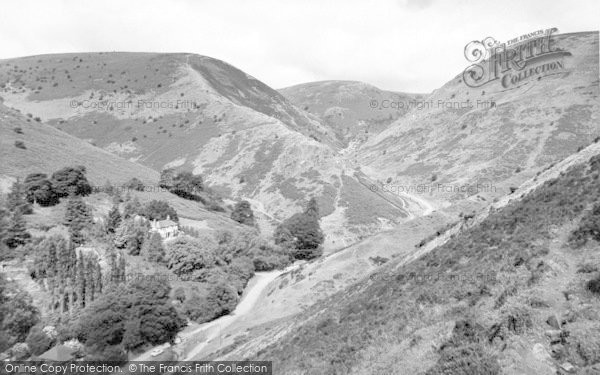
(200, 114)
(491, 135)
(353, 110)
(47, 149)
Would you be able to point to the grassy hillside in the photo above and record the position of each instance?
(47, 149)
(196, 113)
(487, 293)
(459, 137)
(354, 111)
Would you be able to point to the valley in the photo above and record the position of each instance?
(330, 226)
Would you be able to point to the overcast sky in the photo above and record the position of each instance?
(403, 45)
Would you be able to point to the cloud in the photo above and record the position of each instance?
(411, 45)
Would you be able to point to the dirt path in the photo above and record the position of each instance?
(212, 330)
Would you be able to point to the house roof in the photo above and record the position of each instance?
(58, 353)
(165, 223)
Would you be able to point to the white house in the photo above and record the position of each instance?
(166, 228)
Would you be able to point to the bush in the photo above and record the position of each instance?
(589, 227)
(18, 130)
(20, 144)
(465, 360)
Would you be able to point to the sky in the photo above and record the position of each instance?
(402, 45)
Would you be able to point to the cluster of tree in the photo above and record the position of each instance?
(127, 318)
(64, 182)
(72, 278)
(242, 213)
(184, 184)
(130, 232)
(189, 186)
(301, 233)
(17, 314)
(134, 184)
(224, 264)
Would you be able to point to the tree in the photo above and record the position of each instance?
(312, 208)
(38, 341)
(138, 313)
(187, 185)
(185, 255)
(17, 314)
(153, 249)
(39, 189)
(130, 235)
(17, 199)
(131, 208)
(302, 233)
(222, 299)
(71, 180)
(113, 220)
(242, 213)
(78, 218)
(134, 184)
(166, 178)
(159, 210)
(16, 232)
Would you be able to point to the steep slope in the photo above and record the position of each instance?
(196, 113)
(487, 295)
(354, 111)
(462, 136)
(48, 149)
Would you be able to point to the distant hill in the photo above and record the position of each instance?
(353, 110)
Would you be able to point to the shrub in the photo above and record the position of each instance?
(465, 360)
(20, 144)
(18, 130)
(589, 227)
